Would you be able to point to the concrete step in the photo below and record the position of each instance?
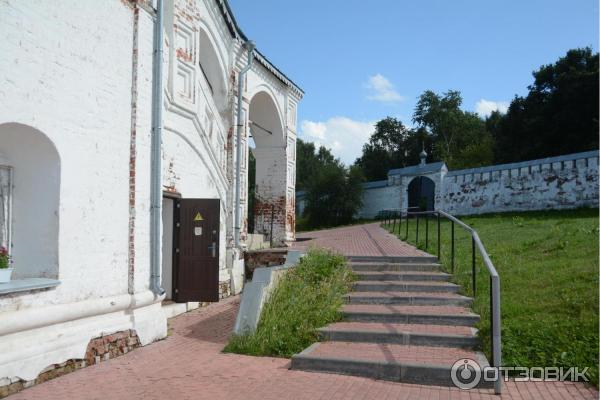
(402, 286)
(406, 334)
(402, 276)
(411, 364)
(435, 315)
(409, 298)
(394, 267)
(394, 259)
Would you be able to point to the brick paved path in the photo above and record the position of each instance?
(357, 240)
(189, 365)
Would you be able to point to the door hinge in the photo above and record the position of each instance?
(177, 224)
(176, 290)
(176, 250)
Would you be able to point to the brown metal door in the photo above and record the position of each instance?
(197, 250)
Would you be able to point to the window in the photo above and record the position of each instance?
(5, 205)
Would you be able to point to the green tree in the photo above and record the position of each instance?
(334, 192)
(460, 138)
(559, 115)
(334, 195)
(306, 163)
(392, 145)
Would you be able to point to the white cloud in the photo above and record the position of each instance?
(382, 90)
(485, 107)
(343, 136)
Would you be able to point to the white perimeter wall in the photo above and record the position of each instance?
(562, 182)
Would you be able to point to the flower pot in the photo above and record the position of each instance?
(5, 274)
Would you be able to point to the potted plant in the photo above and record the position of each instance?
(5, 265)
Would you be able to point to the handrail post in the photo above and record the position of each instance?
(473, 272)
(400, 224)
(426, 231)
(452, 246)
(439, 253)
(407, 219)
(496, 331)
(417, 235)
(394, 226)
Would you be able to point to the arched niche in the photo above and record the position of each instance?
(268, 204)
(212, 70)
(35, 194)
(265, 122)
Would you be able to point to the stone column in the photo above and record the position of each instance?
(271, 204)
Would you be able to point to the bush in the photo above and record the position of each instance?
(307, 297)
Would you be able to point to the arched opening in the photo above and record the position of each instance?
(212, 71)
(267, 169)
(421, 193)
(30, 192)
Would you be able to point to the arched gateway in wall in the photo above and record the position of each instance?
(421, 193)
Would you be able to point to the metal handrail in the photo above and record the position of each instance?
(495, 314)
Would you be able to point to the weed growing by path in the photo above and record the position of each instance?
(548, 266)
(307, 297)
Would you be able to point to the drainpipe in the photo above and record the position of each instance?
(156, 164)
(249, 46)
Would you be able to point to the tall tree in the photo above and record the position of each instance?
(460, 137)
(392, 145)
(559, 115)
(334, 192)
(306, 163)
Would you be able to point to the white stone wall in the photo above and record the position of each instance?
(79, 73)
(67, 75)
(542, 185)
(563, 182)
(377, 199)
(79, 97)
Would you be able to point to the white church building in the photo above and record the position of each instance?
(125, 128)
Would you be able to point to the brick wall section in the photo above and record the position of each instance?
(99, 349)
(262, 258)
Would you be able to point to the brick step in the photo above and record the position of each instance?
(402, 286)
(394, 267)
(402, 276)
(409, 298)
(406, 334)
(411, 364)
(435, 315)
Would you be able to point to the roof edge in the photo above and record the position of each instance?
(236, 32)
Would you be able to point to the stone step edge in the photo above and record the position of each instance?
(424, 374)
(375, 286)
(403, 338)
(410, 318)
(388, 259)
(403, 276)
(408, 300)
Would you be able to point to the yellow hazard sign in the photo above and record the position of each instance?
(198, 217)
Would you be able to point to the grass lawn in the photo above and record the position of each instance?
(307, 297)
(548, 266)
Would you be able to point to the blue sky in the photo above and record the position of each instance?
(359, 61)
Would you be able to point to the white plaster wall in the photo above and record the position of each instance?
(377, 199)
(68, 73)
(563, 182)
(79, 96)
(546, 186)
